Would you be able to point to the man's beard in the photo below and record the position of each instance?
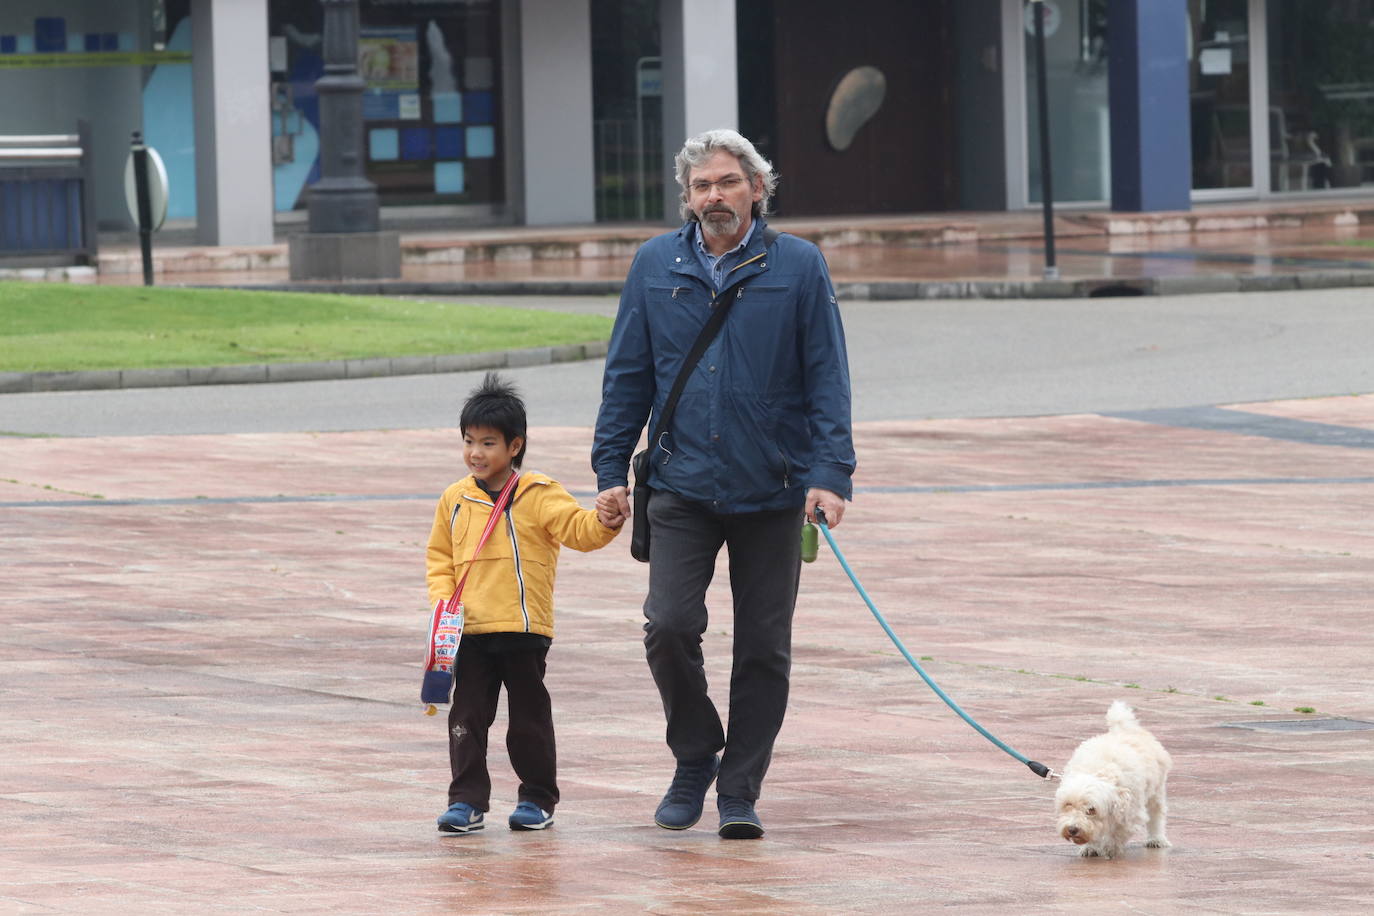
(720, 227)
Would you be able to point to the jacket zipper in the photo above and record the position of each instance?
(515, 552)
(514, 547)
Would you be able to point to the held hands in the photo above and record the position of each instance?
(832, 504)
(613, 506)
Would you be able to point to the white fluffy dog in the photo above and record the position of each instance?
(1112, 785)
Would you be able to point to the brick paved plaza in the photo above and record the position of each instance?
(210, 651)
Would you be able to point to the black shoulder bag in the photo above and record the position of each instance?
(639, 534)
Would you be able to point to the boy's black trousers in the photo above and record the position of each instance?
(485, 664)
(765, 569)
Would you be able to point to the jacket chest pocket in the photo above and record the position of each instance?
(761, 297)
(675, 314)
(467, 534)
(665, 296)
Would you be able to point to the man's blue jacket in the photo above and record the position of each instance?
(766, 412)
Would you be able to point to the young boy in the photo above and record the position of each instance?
(508, 604)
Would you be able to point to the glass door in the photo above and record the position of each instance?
(1321, 90)
(1220, 95)
(1076, 83)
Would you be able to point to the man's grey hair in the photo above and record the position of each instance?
(703, 146)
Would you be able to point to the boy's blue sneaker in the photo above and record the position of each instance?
(529, 816)
(737, 818)
(681, 806)
(460, 818)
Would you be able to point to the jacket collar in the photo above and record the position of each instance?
(527, 480)
(753, 262)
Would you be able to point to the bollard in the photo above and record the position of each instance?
(145, 206)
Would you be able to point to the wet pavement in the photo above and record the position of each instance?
(210, 650)
(1256, 245)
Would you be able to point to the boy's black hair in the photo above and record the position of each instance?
(496, 404)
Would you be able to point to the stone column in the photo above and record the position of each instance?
(343, 240)
(700, 80)
(556, 92)
(233, 126)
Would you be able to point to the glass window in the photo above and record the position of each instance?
(1321, 91)
(627, 110)
(119, 66)
(1076, 81)
(431, 107)
(1219, 83)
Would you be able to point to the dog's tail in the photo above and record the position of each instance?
(1121, 715)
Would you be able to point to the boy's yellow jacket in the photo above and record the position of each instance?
(510, 588)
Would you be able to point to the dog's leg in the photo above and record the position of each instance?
(1158, 810)
(1113, 843)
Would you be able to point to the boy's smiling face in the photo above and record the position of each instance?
(488, 455)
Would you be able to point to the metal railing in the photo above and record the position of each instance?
(629, 170)
(47, 197)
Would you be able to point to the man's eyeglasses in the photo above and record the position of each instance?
(727, 184)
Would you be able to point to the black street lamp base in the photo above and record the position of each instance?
(346, 256)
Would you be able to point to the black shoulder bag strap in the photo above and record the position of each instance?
(708, 333)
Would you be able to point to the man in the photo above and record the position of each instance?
(761, 436)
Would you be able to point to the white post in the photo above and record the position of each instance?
(556, 90)
(234, 201)
(700, 79)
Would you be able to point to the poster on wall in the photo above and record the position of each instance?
(389, 63)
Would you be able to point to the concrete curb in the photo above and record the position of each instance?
(100, 379)
(1082, 288)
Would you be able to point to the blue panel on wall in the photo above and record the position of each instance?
(415, 143)
(481, 142)
(384, 143)
(448, 177)
(169, 125)
(448, 107)
(381, 106)
(7, 44)
(479, 107)
(91, 41)
(448, 143)
(50, 34)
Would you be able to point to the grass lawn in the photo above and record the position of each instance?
(61, 327)
(1359, 243)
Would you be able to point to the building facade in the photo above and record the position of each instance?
(540, 112)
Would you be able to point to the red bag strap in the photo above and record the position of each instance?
(502, 498)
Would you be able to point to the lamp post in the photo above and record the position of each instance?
(344, 240)
(342, 200)
(1046, 172)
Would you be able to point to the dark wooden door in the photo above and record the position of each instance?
(902, 159)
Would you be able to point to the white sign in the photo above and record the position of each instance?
(276, 54)
(1215, 61)
(650, 82)
(1053, 18)
(157, 189)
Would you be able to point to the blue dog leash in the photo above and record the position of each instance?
(1039, 769)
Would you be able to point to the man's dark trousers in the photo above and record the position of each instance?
(765, 568)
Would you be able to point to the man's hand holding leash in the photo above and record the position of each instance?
(832, 504)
